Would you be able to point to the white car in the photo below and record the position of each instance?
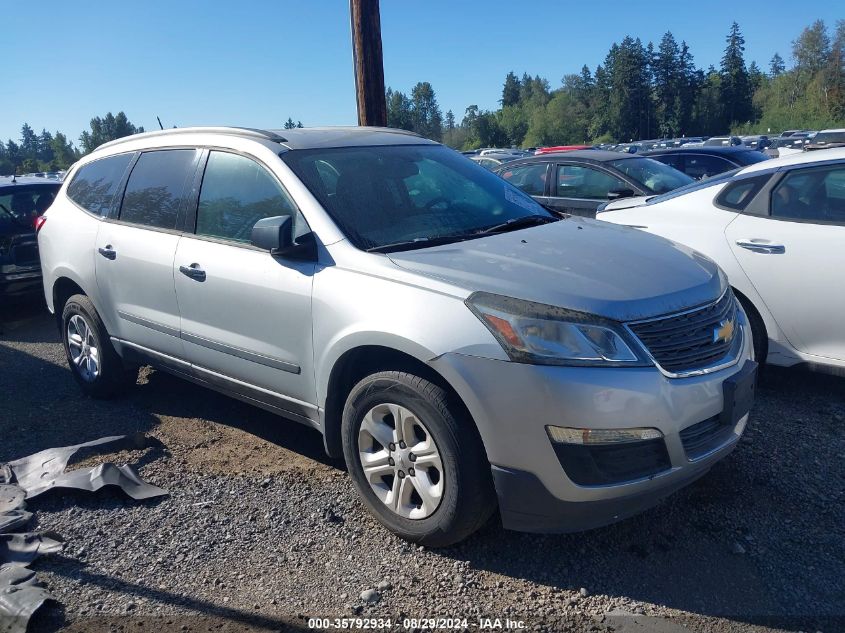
(777, 228)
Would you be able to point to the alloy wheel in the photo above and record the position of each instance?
(401, 461)
(83, 348)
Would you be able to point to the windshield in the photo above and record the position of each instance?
(695, 185)
(389, 195)
(830, 137)
(655, 176)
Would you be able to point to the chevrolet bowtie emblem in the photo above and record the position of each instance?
(724, 332)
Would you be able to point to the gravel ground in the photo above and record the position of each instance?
(261, 531)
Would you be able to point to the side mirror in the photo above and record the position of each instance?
(273, 234)
(615, 194)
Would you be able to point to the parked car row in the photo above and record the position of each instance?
(577, 182)
(460, 346)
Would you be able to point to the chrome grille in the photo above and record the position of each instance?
(687, 341)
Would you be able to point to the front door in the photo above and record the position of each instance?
(245, 314)
(579, 189)
(795, 257)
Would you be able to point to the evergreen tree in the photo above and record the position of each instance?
(425, 113)
(29, 142)
(668, 83)
(735, 86)
(108, 128)
(398, 110)
(510, 91)
(776, 66)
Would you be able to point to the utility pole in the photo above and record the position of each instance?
(369, 66)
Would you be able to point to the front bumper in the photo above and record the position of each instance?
(512, 403)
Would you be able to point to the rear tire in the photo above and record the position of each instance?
(93, 361)
(439, 503)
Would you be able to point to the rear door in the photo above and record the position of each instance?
(795, 257)
(245, 314)
(580, 189)
(135, 251)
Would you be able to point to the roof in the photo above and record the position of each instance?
(818, 156)
(598, 155)
(6, 181)
(701, 149)
(297, 138)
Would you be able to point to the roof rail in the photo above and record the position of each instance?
(265, 135)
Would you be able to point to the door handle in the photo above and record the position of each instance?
(108, 252)
(761, 246)
(193, 271)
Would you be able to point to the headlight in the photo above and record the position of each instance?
(546, 335)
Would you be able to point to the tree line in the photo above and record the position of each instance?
(647, 91)
(55, 152)
(638, 92)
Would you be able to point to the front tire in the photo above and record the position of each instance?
(416, 459)
(93, 361)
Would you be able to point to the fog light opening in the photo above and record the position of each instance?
(593, 437)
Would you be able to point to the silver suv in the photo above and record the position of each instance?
(457, 344)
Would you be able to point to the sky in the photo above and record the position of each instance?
(255, 63)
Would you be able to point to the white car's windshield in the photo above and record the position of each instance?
(407, 196)
(652, 174)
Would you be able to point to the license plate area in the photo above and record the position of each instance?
(739, 392)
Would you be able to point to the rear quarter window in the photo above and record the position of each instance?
(94, 185)
(739, 193)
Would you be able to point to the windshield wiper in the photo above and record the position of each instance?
(419, 242)
(517, 223)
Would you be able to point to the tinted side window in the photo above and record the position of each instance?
(814, 195)
(736, 195)
(236, 193)
(530, 178)
(95, 184)
(156, 188)
(575, 181)
(702, 166)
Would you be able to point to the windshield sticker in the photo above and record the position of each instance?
(519, 199)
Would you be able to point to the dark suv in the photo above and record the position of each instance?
(22, 201)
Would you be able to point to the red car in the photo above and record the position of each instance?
(560, 148)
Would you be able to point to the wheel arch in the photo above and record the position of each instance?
(64, 287)
(363, 360)
(754, 316)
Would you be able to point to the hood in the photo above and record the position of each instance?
(626, 203)
(581, 264)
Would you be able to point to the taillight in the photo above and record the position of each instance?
(38, 222)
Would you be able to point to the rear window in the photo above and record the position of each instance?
(94, 185)
(156, 188)
(20, 204)
(749, 158)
